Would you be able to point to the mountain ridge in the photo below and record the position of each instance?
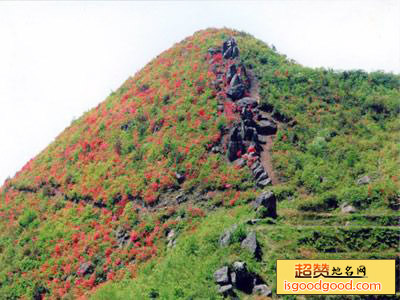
(129, 183)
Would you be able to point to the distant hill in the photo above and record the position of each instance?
(220, 150)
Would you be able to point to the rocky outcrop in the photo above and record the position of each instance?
(237, 276)
(265, 203)
(247, 135)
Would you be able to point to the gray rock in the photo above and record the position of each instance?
(85, 268)
(240, 162)
(364, 180)
(262, 177)
(262, 139)
(255, 165)
(262, 290)
(180, 177)
(267, 200)
(266, 127)
(221, 276)
(215, 149)
(236, 80)
(247, 101)
(231, 72)
(181, 198)
(250, 243)
(236, 92)
(258, 171)
(225, 289)
(235, 52)
(244, 280)
(253, 221)
(171, 234)
(264, 183)
(347, 208)
(226, 237)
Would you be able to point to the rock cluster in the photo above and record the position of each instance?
(247, 134)
(237, 276)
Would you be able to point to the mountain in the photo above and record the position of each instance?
(219, 152)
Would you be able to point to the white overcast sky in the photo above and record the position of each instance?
(59, 59)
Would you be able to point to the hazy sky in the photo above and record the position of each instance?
(57, 60)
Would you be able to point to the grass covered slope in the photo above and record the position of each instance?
(95, 207)
(67, 214)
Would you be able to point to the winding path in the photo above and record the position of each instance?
(265, 155)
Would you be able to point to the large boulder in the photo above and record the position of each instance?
(230, 49)
(232, 70)
(242, 279)
(266, 127)
(264, 183)
(267, 201)
(234, 148)
(250, 244)
(247, 101)
(221, 276)
(236, 92)
(236, 80)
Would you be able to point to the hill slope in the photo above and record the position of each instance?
(142, 186)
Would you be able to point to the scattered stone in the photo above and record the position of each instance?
(226, 237)
(250, 243)
(122, 236)
(262, 290)
(247, 101)
(253, 221)
(215, 149)
(243, 278)
(225, 289)
(180, 177)
(263, 176)
(85, 268)
(231, 72)
(181, 198)
(240, 162)
(144, 88)
(266, 200)
(347, 208)
(364, 180)
(228, 49)
(236, 92)
(266, 127)
(264, 183)
(221, 276)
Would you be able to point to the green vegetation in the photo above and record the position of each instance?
(91, 214)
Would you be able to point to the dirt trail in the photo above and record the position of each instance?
(265, 155)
